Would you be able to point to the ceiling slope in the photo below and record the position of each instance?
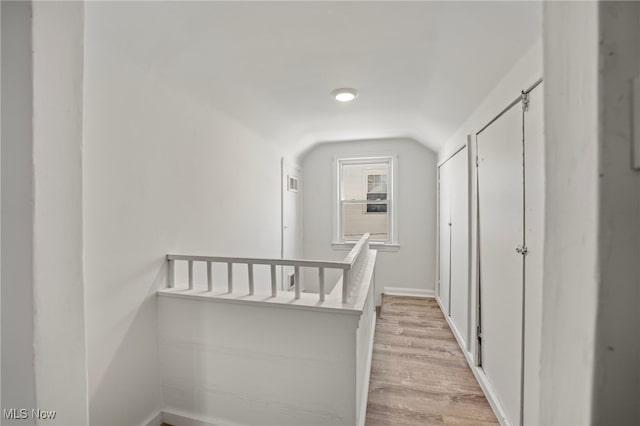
(421, 67)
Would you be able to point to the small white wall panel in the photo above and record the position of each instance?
(255, 365)
(500, 186)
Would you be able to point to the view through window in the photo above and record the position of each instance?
(365, 198)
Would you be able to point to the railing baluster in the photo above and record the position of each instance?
(171, 274)
(250, 270)
(296, 280)
(321, 283)
(209, 277)
(274, 288)
(345, 285)
(352, 269)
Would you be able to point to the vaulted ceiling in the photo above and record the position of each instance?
(421, 67)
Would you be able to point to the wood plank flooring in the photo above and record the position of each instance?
(419, 375)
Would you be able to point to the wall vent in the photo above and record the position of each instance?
(292, 183)
(291, 280)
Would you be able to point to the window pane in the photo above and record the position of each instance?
(360, 179)
(376, 208)
(378, 187)
(377, 196)
(357, 221)
(361, 182)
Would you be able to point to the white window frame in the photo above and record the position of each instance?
(391, 244)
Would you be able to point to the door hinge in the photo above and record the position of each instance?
(525, 101)
(523, 250)
(479, 333)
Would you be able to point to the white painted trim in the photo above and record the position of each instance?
(364, 399)
(456, 152)
(284, 300)
(341, 245)
(263, 261)
(477, 371)
(411, 292)
(486, 387)
(154, 420)
(183, 418)
(455, 331)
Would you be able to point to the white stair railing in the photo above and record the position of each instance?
(351, 267)
(355, 258)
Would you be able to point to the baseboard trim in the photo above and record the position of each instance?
(182, 418)
(412, 292)
(478, 373)
(364, 399)
(154, 420)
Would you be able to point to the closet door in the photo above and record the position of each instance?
(500, 232)
(459, 275)
(444, 237)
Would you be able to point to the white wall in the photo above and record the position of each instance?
(413, 265)
(617, 358)
(17, 209)
(524, 73)
(59, 334)
(162, 173)
(43, 336)
(571, 225)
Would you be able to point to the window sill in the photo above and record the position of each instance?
(341, 245)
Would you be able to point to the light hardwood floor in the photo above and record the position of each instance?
(419, 375)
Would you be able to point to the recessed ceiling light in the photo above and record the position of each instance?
(344, 94)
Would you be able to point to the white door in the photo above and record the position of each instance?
(444, 269)
(291, 217)
(459, 275)
(534, 232)
(500, 232)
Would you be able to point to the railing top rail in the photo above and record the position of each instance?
(355, 251)
(262, 261)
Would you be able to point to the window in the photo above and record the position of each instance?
(365, 199)
(376, 190)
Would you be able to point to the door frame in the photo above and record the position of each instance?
(438, 220)
(468, 155)
(285, 166)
